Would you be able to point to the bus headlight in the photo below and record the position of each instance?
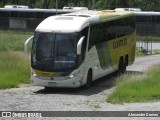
(70, 76)
(33, 73)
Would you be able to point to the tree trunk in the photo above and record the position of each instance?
(62, 3)
(31, 3)
(85, 3)
(46, 4)
(77, 3)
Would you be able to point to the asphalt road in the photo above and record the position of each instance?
(33, 98)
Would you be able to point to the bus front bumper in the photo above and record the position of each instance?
(60, 82)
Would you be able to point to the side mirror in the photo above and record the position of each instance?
(79, 45)
(26, 44)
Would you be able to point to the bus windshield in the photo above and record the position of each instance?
(54, 51)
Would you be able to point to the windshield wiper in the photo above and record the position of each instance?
(46, 59)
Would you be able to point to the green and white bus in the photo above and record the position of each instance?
(74, 49)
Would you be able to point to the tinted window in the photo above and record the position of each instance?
(103, 32)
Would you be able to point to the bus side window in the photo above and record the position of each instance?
(93, 36)
(84, 32)
(111, 30)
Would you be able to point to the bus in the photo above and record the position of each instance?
(74, 49)
(148, 23)
(23, 18)
(32, 13)
(129, 9)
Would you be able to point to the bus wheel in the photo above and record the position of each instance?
(89, 79)
(122, 67)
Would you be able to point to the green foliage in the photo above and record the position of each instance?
(137, 88)
(145, 5)
(148, 38)
(139, 52)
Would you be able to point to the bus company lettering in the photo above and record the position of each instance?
(119, 43)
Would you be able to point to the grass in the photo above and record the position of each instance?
(139, 52)
(14, 64)
(155, 52)
(137, 88)
(15, 69)
(13, 40)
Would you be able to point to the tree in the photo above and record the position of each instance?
(46, 4)
(77, 3)
(3, 2)
(85, 3)
(31, 3)
(62, 3)
(15, 2)
(145, 5)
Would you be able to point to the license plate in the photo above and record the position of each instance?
(51, 83)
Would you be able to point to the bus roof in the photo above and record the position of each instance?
(128, 9)
(16, 6)
(75, 8)
(36, 10)
(75, 22)
(147, 13)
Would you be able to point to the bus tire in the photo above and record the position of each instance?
(122, 67)
(89, 79)
(126, 60)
